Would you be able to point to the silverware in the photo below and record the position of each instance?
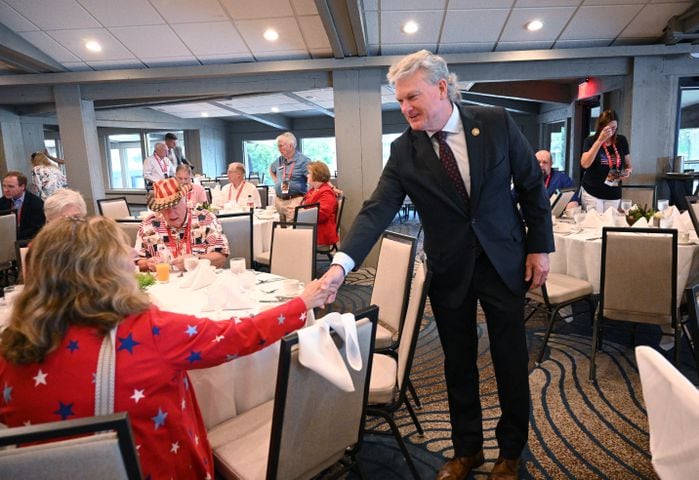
(269, 280)
(593, 238)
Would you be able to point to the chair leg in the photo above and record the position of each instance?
(552, 319)
(414, 417)
(396, 433)
(678, 337)
(413, 393)
(595, 335)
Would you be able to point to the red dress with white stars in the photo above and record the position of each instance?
(154, 349)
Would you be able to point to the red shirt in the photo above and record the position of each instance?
(327, 227)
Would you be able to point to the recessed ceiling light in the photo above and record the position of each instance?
(271, 35)
(410, 27)
(275, 109)
(535, 25)
(204, 114)
(93, 46)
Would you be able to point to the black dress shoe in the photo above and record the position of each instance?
(458, 468)
(505, 469)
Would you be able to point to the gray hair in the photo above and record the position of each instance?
(289, 137)
(433, 66)
(61, 198)
(236, 166)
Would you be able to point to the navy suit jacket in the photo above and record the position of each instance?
(32, 217)
(498, 155)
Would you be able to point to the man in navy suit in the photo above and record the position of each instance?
(457, 164)
(28, 208)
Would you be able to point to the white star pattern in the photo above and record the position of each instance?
(137, 395)
(218, 338)
(175, 447)
(184, 404)
(196, 439)
(138, 447)
(302, 317)
(208, 476)
(27, 423)
(281, 319)
(40, 378)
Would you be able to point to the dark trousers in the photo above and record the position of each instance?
(504, 313)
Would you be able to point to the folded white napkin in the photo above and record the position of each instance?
(686, 221)
(318, 352)
(640, 223)
(608, 217)
(592, 220)
(225, 294)
(202, 277)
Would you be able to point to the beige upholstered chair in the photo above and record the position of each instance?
(8, 236)
(390, 374)
(113, 207)
(110, 454)
(641, 195)
(293, 249)
(306, 213)
(310, 425)
(672, 403)
(238, 230)
(638, 282)
(559, 291)
(392, 286)
(130, 228)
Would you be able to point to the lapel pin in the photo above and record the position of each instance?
(475, 132)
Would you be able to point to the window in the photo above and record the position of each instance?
(556, 133)
(125, 161)
(321, 149)
(155, 137)
(386, 140)
(688, 128)
(259, 155)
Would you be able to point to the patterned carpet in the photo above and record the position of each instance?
(578, 429)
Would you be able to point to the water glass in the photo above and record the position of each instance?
(10, 292)
(237, 265)
(191, 262)
(626, 205)
(663, 203)
(247, 280)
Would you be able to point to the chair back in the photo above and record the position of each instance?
(8, 236)
(314, 422)
(238, 230)
(340, 206)
(107, 456)
(393, 275)
(113, 208)
(672, 403)
(693, 209)
(130, 227)
(263, 190)
(307, 213)
(638, 280)
(21, 249)
(209, 184)
(413, 319)
(293, 249)
(209, 197)
(641, 195)
(223, 180)
(255, 178)
(692, 299)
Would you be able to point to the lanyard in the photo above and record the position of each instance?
(548, 180)
(240, 190)
(164, 164)
(609, 159)
(291, 170)
(176, 247)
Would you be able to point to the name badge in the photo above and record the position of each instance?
(285, 188)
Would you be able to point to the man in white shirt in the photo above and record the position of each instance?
(238, 190)
(158, 166)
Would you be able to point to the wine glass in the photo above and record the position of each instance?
(247, 280)
(237, 265)
(626, 205)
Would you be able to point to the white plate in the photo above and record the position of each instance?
(566, 228)
(288, 296)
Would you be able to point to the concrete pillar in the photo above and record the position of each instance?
(358, 131)
(12, 155)
(78, 128)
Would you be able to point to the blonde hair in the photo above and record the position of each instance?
(40, 158)
(433, 66)
(78, 273)
(319, 171)
(61, 198)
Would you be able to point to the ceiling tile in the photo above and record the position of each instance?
(123, 12)
(289, 35)
(371, 24)
(72, 15)
(114, 64)
(599, 22)
(211, 38)
(474, 26)
(409, 5)
(430, 23)
(314, 32)
(184, 11)
(548, 3)
(509, 46)
(50, 47)
(228, 58)
(304, 7)
(13, 20)
(478, 4)
(74, 40)
(151, 42)
(653, 18)
(257, 9)
(181, 61)
(371, 5)
(317, 94)
(466, 47)
(404, 49)
(554, 19)
(599, 42)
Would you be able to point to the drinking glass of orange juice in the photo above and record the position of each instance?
(162, 272)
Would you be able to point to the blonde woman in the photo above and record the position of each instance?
(46, 177)
(80, 287)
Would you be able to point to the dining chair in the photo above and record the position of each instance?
(309, 426)
(238, 230)
(108, 454)
(692, 324)
(672, 404)
(114, 208)
(390, 375)
(209, 197)
(292, 254)
(255, 178)
(223, 180)
(21, 250)
(130, 228)
(210, 184)
(307, 213)
(391, 290)
(693, 209)
(8, 236)
(263, 190)
(330, 249)
(559, 291)
(641, 195)
(638, 282)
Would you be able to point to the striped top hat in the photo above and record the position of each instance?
(166, 193)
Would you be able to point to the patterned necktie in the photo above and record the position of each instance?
(446, 156)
